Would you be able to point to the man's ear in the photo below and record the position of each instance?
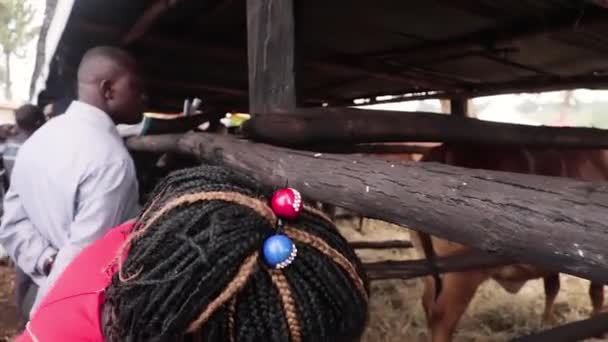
(107, 89)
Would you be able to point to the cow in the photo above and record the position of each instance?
(445, 307)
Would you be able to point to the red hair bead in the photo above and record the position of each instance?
(287, 203)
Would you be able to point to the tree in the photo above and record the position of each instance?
(15, 33)
(41, 57)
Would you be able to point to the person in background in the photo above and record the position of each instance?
(57, 107)
(28, 118)
(73, 179)
(213, 257)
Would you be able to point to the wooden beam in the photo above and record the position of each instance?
(575, 331)
(559, 224)
(511, 31)
(391, 244)
(374, 148)
(148, 18)
(324, 126)
(270, 45)
(419, 268)
(523, 85)
(232, 54)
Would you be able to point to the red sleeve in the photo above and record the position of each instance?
(72, 319)
(71, 309)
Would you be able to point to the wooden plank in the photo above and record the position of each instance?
(373, 148)
(523, 85)
(270, 45)
(324, 126)
(559, 224)
(391, 244)
(150, 16)
(575, 331)
(419, 268)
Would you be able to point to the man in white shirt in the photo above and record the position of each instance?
(73, 179)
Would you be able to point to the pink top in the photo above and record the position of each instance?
(71, 311)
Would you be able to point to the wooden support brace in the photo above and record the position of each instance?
(559, 224)
(575, 331)
(391, 244)
(419, 268)
(329, 126)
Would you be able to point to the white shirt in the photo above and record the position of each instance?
(73, 180)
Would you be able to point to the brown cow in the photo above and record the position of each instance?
(444, 310)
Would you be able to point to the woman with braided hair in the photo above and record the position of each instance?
(211, 258)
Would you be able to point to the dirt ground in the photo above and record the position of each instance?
(494, 315)
(8, 321)
(396, 313)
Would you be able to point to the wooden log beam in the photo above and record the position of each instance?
(270, 45)
(391, 244)
(559, 224)
(526, 27)
(524, 85)
(378, 149)
(325, 126)
(235, 55)
(147, 19)
(419, 268)
(575, 331)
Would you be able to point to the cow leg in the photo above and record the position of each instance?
(552, 285)
(596, 293)
(443, 313)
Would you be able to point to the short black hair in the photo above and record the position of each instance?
(94, 56)
(29, 117)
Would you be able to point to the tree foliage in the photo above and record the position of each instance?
(16, 32)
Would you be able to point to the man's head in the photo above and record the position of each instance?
(109, 79)
(29, 118)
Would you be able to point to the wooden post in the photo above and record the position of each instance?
(559, 224)
(270, 44)
(459, 107)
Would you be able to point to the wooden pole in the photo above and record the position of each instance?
(575, 331)
(391, 244)
(419, 268)
(343, 126)
(379, 148)
(148, 19)
(270, 45)
(559, 224)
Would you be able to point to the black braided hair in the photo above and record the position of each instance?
(194, 270)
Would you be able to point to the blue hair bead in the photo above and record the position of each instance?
(279, 251)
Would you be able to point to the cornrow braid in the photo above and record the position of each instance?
(191, 270)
